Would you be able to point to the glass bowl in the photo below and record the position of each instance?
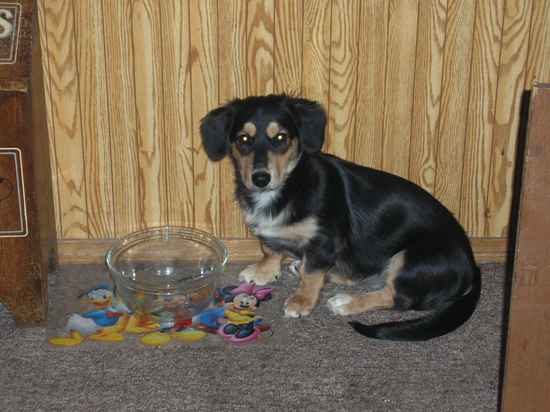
(167, 272)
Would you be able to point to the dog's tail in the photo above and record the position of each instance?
(442, 320)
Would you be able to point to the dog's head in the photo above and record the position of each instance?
(264, 136)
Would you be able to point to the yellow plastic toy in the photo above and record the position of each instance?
(163, 338)
(105, 323)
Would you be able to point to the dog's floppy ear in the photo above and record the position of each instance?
(310, 119)
(215, 129)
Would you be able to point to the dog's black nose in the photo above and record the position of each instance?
(261, 179)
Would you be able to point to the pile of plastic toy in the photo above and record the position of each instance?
(232, 316)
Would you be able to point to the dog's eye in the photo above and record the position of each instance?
(244, 139)
(279, 139)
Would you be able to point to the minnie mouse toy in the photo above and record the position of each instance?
(243, 325)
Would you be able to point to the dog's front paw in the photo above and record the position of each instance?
(340, 304)
(254, 273)
(298, 305)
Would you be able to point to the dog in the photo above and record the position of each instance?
(344, 222)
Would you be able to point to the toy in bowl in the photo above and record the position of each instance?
(168, 273)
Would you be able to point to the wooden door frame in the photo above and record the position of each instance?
(26, 256)
(526, 367)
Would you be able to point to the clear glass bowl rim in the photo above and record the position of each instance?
(181, 232)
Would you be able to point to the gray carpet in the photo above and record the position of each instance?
(312, 364)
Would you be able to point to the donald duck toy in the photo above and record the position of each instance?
(106, 322)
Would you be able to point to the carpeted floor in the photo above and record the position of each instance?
(312, 364)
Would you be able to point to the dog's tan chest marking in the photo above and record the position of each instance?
(302, 231)
(277, 226)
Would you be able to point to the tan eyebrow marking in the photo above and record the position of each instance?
(249, 128)
(273, 128)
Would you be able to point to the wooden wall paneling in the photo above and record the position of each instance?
(66, 117)
(369, 113)
(232, 49)
(260, 25)
(168, 62)
(428, 73)
(316, 50)
(399, 83)
(90, 61)
(510, 87)
(538, 57)
(177, 103)
(526, 386)
(204, 78)
(454, 102)
(119, 58)
(47, 97)
(288, 47)
(343, 77)
(480, 118)
(147, 44)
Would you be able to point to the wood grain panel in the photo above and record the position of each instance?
(454, 102)
(369, 114)
(511, 81)
(424, 89)
(119, 58)
(399, 83)
(66, 119)
(428, 73)
(288, 47)
(147, 44)
(177, 103)
(316, 50)
(48, 100)
(232, 42)
(90, 60)
(204, 78)
(481, 109)
(538, 58)
(260, 14)
(343, 77)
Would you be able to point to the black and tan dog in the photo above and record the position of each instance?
(343, 221)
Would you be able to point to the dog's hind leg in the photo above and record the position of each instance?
(340, 279)
(347, 304)
(344, 304)
(266, 270)
(340, 274)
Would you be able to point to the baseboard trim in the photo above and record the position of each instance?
(80, 251)
(490, 249)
